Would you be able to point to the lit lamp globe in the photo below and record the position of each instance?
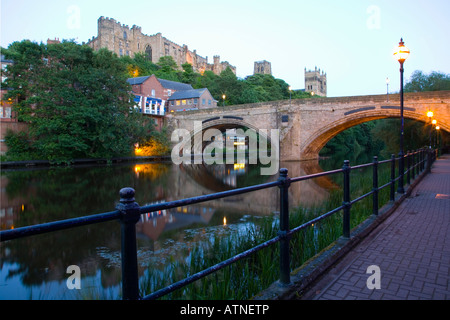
(401, 53)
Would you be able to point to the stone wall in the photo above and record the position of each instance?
(306, 125)
(123, 40)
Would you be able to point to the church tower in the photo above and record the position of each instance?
(316, 82)
(262, 67)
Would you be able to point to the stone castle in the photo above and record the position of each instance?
(122, 40)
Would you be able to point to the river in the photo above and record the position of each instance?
(35, 267)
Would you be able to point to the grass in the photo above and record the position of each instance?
(247, 277)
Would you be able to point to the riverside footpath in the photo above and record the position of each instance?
(407, 257)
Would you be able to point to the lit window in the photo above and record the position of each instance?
(183, 102)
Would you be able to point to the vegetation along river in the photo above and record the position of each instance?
(35, 267)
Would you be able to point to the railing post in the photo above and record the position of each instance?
(413, 165)
(130, 216)
(375, 186)
(346, 203)
(408, 165)
(392, 195)
(429, 160)
(285, 270)
(422, 160)
(401, 172)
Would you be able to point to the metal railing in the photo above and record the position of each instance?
(128, 213)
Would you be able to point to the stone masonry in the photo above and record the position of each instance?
(306, 125)
(122, 40)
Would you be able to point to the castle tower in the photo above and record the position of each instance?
(123, 41)
(262, 67)
(316, 82)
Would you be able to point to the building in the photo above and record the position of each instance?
(155, 97)
(122, 40)
(6, 113)
(191, 100)
(262, 67)
(316, 82)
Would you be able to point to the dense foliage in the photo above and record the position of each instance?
(254, 88)
(77, 103)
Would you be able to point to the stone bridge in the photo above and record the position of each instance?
(306, 125)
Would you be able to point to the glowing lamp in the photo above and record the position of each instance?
(402, 52)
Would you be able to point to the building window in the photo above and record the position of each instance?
(203, 101)
(125, 35)
(195, 101)
(169, 93)
(183, 102)
(209, 102)
(178, 102)
(153, 92)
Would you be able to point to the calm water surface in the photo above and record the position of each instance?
(35, 267)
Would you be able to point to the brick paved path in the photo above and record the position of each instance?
(411, 248)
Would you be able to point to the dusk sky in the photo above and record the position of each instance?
(351, 40)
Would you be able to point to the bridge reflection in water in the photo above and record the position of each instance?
(43, 195)
(199, 179)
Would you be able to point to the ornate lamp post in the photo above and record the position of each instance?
(387, 89)
(290, 95)
(438, 141)
(430, 115)
(401, 54)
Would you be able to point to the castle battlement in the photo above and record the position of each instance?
(122, 40)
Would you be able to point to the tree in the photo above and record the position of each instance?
(435, 81)
(77, 101)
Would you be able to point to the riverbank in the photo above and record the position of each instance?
(47, 163)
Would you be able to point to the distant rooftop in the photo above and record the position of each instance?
(187, 94)
(167, 84)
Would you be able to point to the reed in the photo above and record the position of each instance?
(247, 277)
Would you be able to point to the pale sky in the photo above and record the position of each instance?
(351, 40)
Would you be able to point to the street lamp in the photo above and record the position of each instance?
(387, 89)
(433, 123)
(401, 54)
(430, 115)
(438, 141)
(290, 95)
(223, 98)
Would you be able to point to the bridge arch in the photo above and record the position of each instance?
(222, 124)
(321, 137)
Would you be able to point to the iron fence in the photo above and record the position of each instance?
(128, 213)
